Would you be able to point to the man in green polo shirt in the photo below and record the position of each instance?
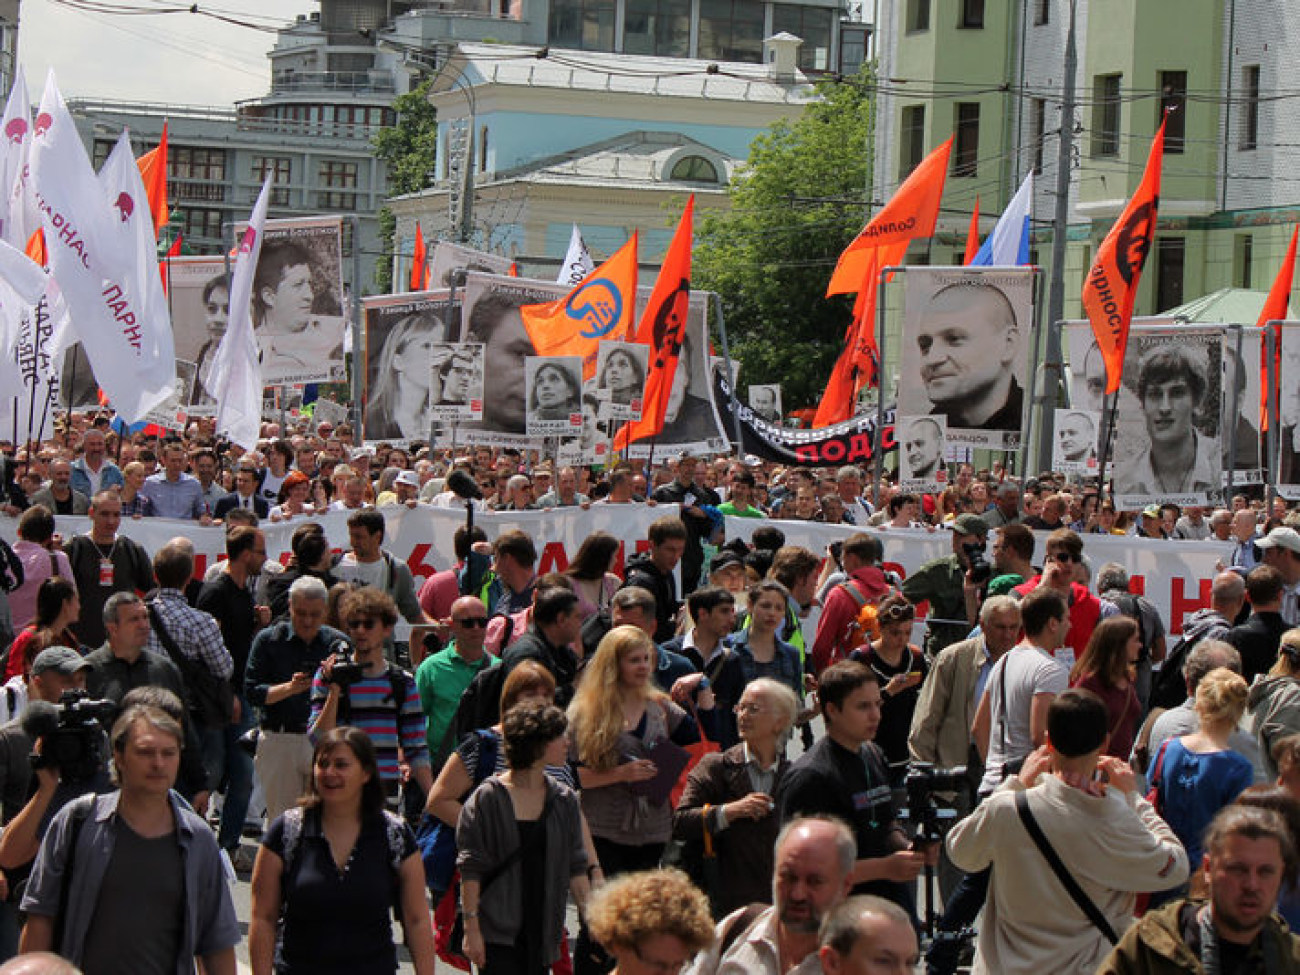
(442, 678)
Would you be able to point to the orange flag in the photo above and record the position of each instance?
(153, 172)
(1275, 309)
(601, 308)
(419, 262)
(35, 248)
(973, 235)
(1112, 284)
(910, 213)
(663, 328)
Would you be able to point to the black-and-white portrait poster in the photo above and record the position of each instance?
(620, 379)
(297, 301)
(1168, 447)
(553, 387)
(457, 382)
(400, 334)
(1075, 449)
(921, 466)
(965, 351)
(198, 291)
(490, 316)
(174, 413)
(77, 385)
(765, 401)
(448, 258)
(1288, 407)
(1243, 451)
(691, 421)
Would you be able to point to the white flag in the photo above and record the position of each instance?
(1008, 245)
(18, 216)
(235, 380)
(94, 254)
(577, 262)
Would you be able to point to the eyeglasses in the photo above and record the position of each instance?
(362, 624)
(744, 708)
(471, 622)
(656, 965)
(1066, 557)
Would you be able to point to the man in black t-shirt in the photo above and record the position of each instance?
(844, 775)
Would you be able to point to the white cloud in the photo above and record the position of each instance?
(179, 58)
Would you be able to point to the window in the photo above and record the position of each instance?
(912, 138)
(813, 26)
(1042, 12)
(918, 15)
(1243, 254)
(972, 14)
(587, 25)
(1170, 252)
(658, 27)
(186, 162)
(334, 176)
(1173, 109)
(694, 169)
(853, 49)
(280, 169)
(196, 224)
(101, 152)
(966, 148)
(1037, 126)
(1105, 115)
(731, 30)
(1250, 107)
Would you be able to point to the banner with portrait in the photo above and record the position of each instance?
(965, 352)
(1168, 436)
(457, 381)
(621, 369)
(1288, 407)
(765, 401)
(553, 387)
(400, 333)
(448, 258)
(1074, 451)
(921, 468)
(198, 291)
(1243, 447)
(298, 301)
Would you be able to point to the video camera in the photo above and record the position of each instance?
(71, 733)
(346, 671)
(922, 783)
(980, 569)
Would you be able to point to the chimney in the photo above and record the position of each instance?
(781, 51)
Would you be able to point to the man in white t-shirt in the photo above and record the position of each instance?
(1010, 722)
(369, 565)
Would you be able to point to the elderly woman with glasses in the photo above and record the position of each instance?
(728, 804)
(900, 667)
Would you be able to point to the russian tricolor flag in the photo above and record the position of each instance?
(1008, 245)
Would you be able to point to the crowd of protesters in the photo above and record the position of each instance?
(639, 742)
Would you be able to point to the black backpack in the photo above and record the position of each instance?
(480, 704)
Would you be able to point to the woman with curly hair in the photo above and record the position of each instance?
(619, 718)
(654, 921)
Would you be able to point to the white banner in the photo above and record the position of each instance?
(1174, 575)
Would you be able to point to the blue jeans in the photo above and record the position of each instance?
(227, 762)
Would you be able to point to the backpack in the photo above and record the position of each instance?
(210, 699)
(1128, 604)
(480, 704)
(863, 627)
(394, 829)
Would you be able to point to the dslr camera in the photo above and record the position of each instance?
(980, 569)
(72, 734)
(346, 671)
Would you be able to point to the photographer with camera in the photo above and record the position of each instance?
(953, 585)
(364, 690)
(56, 671)
(1058, 903)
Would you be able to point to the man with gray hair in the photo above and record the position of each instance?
(867, 935)
(848, 482)
(281, 662)
(122, 663)
(813, 869)
(1207, 655)
(1006, 506)
(1113, 585)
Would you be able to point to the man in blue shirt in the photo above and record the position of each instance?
(173, 493)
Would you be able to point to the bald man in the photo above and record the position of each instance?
(442, 677)
(970, 345)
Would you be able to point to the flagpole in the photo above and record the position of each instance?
(1272, 339)
(1232, 427)
(880, 381)
(1109, 404)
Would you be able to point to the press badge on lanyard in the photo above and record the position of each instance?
(105, 572)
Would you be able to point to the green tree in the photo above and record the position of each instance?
(794, 207)
(409, 150)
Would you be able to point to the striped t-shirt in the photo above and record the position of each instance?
(374, 712)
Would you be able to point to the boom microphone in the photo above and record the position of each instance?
(40, 719)
(463, 486)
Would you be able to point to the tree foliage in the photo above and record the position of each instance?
(794, 207)
(409, 150)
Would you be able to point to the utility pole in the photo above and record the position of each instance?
(1049, 388)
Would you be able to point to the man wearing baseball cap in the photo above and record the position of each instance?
(407, 488)
(946, 584)
(1280, 549)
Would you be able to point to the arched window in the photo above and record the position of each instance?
(694, 169)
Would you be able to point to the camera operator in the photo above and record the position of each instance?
(952, 585)
(1105, 835)
(364, 690)
(27, 815)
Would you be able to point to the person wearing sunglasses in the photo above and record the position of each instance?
(383, 702)
(442, 677)
(1060, 572)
